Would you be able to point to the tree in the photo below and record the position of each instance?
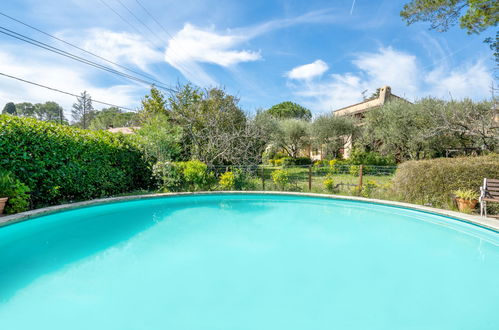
(292, 135)
(161, 139)
(83, 110)
(216, 131)
(49, 111)
(9, 108)
(153, 104)
(329, 133)
(113, 117)
(290, 110)
(400, 129)
(25, 109)
(478, 16)
(470, 124)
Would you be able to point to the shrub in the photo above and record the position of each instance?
(433, 181)
(468, 194)
(62, 163)
(281, 178)
(183, 176)
(16, 191)
(168, 176)
(359, 157)
(227, 181)
(369, 188)
(354, 170)
(278, 162)
(236, 179)
(329, 183)
(288, 161)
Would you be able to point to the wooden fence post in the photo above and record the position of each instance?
(263, 178)
(361, 170)
(310, 178)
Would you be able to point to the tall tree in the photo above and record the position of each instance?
(25, 109)
(290, 110)
(475, 16)
(329, 133)
(82, 110)
(153, 104)
(292, 135)
(49, 111)
(10, 108)
(113, 117)
(216, 130)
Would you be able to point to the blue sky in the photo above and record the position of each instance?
(321, 54)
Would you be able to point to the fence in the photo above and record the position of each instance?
(342, 179)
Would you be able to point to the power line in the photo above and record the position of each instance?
(81, 49)
(184, 68)
(63, 92)
(154, 19)
(138, 20)
(127, 22)
(40, 44)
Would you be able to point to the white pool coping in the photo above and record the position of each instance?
(489, 223)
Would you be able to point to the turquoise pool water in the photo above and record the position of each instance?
(247, 262)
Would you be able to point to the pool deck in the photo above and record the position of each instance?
(489, 223)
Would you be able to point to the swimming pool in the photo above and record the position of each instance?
(247, 261)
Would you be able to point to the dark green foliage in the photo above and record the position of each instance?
(475, 16)
(237, 179)
(433, 181)
(62, 163)
(183, 176)
(289, 110)
(359, 157)
(9, 108)
(329, 133)
(16, 191)
(113, 117)
(287, 161)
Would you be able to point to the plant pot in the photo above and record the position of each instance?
(3, 201)
(466, 204)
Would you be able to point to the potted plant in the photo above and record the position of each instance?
(466, 199)
(5, 187)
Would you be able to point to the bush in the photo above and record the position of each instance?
(168, 176)
(183, 176)
(433, 181)
(16, 191)
(359, 157)
(227, 181)
(281, 178)
(354, 170)
(236, 179)
(329, 183)
(288, 161)
(62, 163)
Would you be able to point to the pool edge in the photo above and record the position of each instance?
(488, 223)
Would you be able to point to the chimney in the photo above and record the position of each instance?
(384, 94)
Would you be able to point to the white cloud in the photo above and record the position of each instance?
(122, 47)
(400, 70)
(192, 46)
(308, 71)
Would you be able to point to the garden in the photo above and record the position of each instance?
(429, 153)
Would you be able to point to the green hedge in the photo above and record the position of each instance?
(61, 163)
(433, 181)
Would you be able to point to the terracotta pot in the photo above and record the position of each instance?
(3, 201)
(466, 204)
